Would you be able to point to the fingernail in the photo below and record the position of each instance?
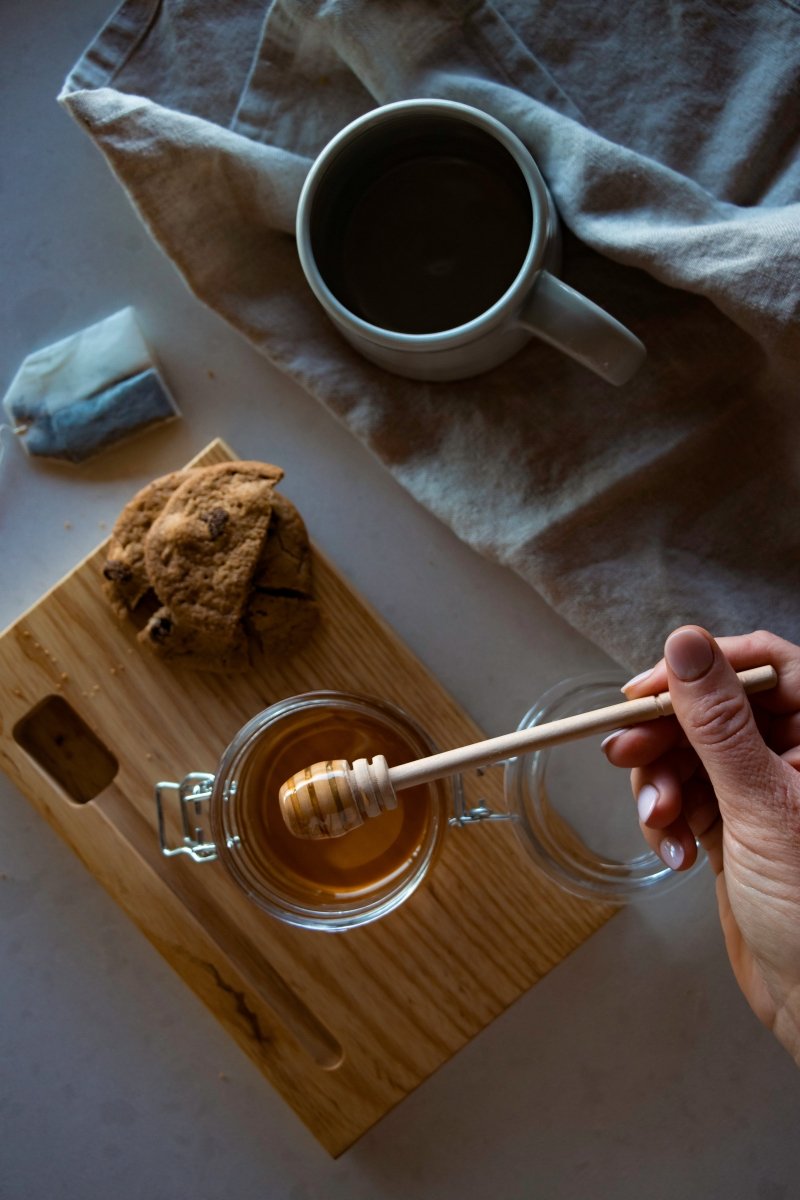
(671, 852)
(611, 737)
(646, 801)
(689, 654)
(636, 679)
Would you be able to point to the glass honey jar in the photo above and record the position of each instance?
(327, 884)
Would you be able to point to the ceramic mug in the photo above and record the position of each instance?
(428, 234)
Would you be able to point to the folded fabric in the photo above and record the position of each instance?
(87, 392)
(668, 138)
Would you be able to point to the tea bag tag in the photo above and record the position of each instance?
(87, 392)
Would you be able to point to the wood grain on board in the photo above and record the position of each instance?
(343, 1025)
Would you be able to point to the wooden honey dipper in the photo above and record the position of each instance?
(329, 799)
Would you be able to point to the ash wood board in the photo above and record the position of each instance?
(343, 1025)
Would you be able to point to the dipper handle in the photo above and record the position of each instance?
(330, 798)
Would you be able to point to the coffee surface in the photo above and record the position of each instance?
(431, 242)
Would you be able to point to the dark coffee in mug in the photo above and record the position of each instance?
(421, 227)
(429, 237)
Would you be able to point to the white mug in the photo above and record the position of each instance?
(428, 234)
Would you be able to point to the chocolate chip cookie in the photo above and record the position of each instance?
(282, 611)
(124, 574)
(214, 565)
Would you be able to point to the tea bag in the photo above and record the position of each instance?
(87, 392)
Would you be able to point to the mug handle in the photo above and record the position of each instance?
(564, 318)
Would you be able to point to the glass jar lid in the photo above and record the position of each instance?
(575, 813)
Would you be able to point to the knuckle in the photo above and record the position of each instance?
(763, 646)
(721, 720)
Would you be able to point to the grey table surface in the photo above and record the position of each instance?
(634, 1068)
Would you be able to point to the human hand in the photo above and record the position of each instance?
(726, 772)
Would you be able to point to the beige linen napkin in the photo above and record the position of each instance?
(669, 137)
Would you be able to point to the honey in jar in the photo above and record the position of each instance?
(327, 883)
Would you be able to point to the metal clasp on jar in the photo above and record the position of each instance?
(478, 812)
(192, 793)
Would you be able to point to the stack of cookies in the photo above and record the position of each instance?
(214, 566)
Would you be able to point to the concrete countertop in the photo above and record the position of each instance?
(635, 1068)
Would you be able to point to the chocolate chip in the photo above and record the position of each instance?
(160, 629)
(216, 521)
(117, 572)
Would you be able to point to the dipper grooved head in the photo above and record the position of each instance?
(330, 798)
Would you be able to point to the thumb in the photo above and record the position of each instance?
(715, 714)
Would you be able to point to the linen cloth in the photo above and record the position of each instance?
(668, 134)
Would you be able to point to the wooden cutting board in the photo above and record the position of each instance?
(343, 1025)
